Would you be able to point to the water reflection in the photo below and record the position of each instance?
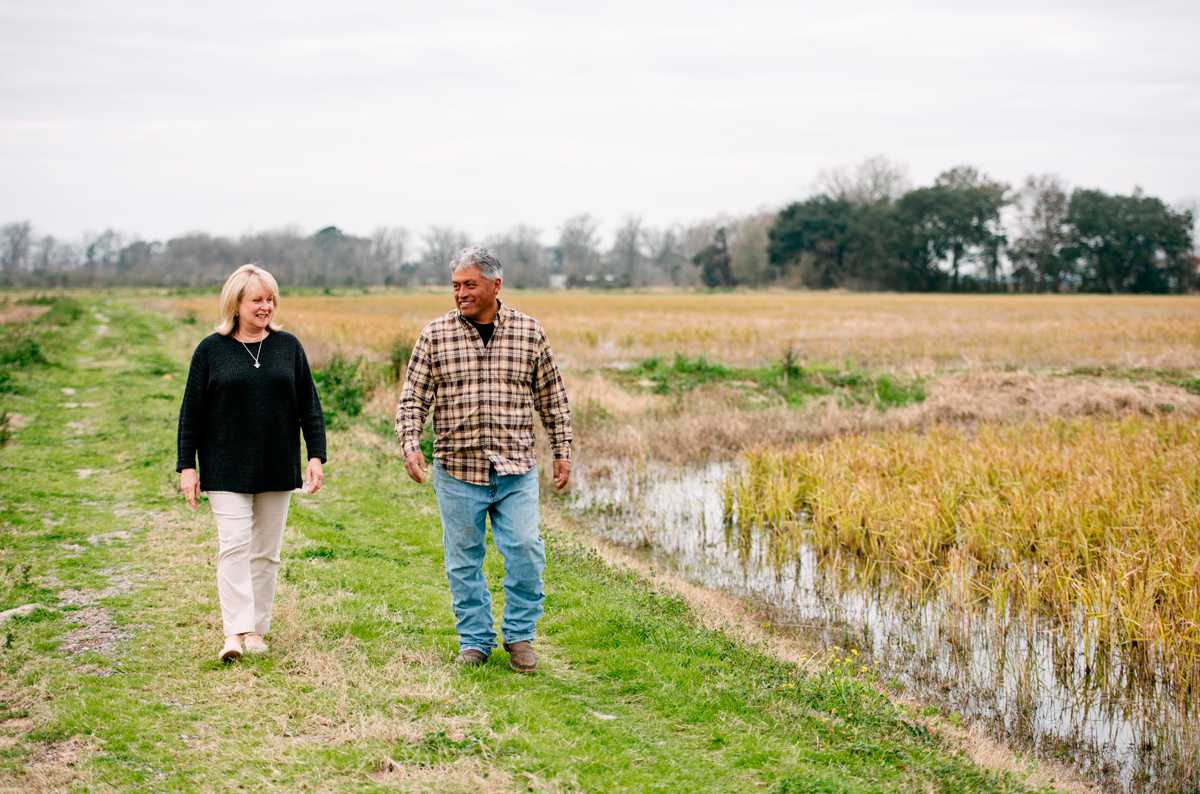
(1025, 677)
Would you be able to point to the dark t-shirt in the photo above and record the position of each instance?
(485, 330)
(245, 423)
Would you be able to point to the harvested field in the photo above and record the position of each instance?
(913, 332)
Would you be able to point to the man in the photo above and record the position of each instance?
(483, 368)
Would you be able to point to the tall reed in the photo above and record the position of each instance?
(1097, 522)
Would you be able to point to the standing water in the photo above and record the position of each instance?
(1028, 679)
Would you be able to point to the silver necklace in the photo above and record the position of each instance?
(252, 355)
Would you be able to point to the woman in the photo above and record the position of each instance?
(249, 396)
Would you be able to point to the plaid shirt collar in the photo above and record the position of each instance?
(503, 312)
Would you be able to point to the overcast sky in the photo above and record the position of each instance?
(157, 118)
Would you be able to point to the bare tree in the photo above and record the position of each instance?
(192, 259)
(669, 263)
(579, 247)
(627, 257)
(100, 250)
(524, 257)
(45, 254)
(751, 262)
(15, 240)
(53, 260)
(441, 244)
(286, 252)
(389, 244)
(1042, 205)
(1192, 205)
(875, 179)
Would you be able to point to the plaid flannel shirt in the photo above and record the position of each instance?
(483, 397)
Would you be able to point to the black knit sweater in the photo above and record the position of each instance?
(245, 423)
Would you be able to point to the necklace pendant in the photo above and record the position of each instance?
(256, 365)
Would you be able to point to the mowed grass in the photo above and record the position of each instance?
(877, 331)
(1095, 521)
(111, 683)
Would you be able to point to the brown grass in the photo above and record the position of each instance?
(710, 423)
(1097, 522)
(12, 315)
(50, 767)
(920, 332)
(462, 776)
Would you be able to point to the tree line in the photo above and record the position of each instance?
(863, 228)
(872, 231)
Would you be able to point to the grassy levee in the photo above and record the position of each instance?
(112, 683)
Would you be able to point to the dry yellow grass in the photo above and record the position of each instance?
(1097, 521)
(918, 332)
(712, 424)
(18, 314)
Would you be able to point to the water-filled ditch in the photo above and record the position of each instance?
(1027, 678)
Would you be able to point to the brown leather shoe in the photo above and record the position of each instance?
(471, 657)
(521, 656)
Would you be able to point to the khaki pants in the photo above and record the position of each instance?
(249, 532)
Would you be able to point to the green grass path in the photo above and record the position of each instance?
(113, 683)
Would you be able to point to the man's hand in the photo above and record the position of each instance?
(414, 462)
(189, 484)
(562, 473)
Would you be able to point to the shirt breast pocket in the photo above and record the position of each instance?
(516, 370)
(452, 371)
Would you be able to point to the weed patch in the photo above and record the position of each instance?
(787, 380)
(398, 356)
(63, 311)
(24, 346)
(21, 350)
(342, 390)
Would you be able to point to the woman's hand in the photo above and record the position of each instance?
(189, 484)
(316, 476)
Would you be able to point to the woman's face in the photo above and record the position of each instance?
(255, 309)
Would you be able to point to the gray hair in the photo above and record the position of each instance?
(487, 262)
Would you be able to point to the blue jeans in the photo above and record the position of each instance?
(511, 501)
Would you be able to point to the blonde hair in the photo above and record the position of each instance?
(235, 289)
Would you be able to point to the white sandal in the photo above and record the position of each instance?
(255, 644)
(232, 650)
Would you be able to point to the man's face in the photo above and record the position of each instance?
(475, 295)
